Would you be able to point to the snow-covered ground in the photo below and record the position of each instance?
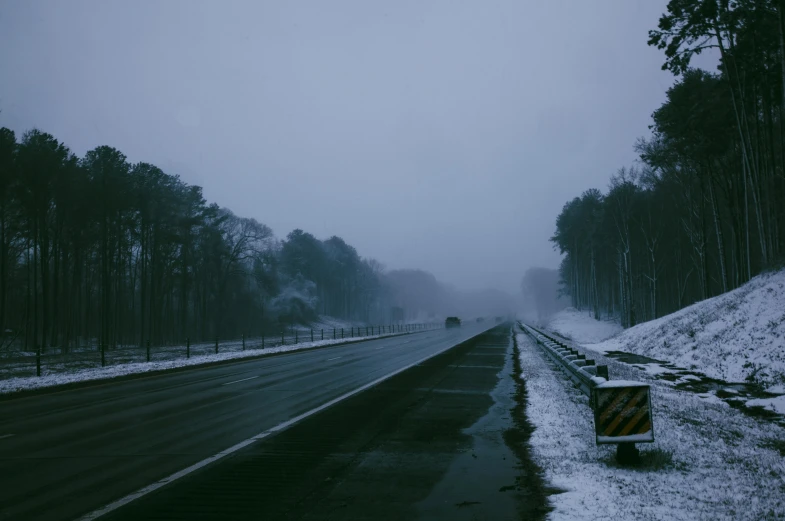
(734, 337)
(326, 322)
(55, 377)
(581, 326)
(709, 461)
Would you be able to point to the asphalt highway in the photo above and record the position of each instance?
(65, 454)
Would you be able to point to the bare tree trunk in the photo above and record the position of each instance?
(718, 231)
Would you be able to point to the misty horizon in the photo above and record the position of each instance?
(394, 128)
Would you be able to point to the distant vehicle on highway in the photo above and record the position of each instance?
(452, 322)
(480, 320)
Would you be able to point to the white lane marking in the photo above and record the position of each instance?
(377, 348)
(336, 358)
(243, 380)
(95, 514)
(4, 436)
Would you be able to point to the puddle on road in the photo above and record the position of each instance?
(735, 394)
(481, 483)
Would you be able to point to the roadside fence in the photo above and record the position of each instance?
(56, 360)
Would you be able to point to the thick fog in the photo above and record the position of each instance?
(443, 136)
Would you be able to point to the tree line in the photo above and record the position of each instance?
(703, 210)
(96, 247)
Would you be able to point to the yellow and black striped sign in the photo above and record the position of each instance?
(622, 413)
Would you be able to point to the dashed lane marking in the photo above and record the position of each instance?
(243, 380)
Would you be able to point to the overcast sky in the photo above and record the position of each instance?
(442, 135)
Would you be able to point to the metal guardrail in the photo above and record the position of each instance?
(622, 409)
(584, 372)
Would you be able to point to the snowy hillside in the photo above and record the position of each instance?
(581, 327)
(737, 336)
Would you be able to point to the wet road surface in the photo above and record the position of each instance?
(67, 453)
(428, 443)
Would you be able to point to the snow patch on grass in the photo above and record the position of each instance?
(776, 404)
(737, 336)
(709, 462)
(329, 323)
(581, 327)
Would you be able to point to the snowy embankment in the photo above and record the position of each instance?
(327, 323)
(11, 385)
(581, 326)
(738, 336)
(708, 461)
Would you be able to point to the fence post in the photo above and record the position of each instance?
(342, 333)
(148, 349)
(333, 333)
(216, 345)
(322, 334)
(187, 347)
(38, 360)
(243, 341)
(311, 335)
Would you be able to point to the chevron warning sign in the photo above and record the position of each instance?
(622, 412)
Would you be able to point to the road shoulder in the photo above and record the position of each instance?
(708, 461)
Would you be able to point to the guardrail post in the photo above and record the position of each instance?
(341, 333)
(322, 334)
(333, 333)
(188, 347)
(243, 341)
(602, 371)
(148, 349)
(38, 360)
(216, 345)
